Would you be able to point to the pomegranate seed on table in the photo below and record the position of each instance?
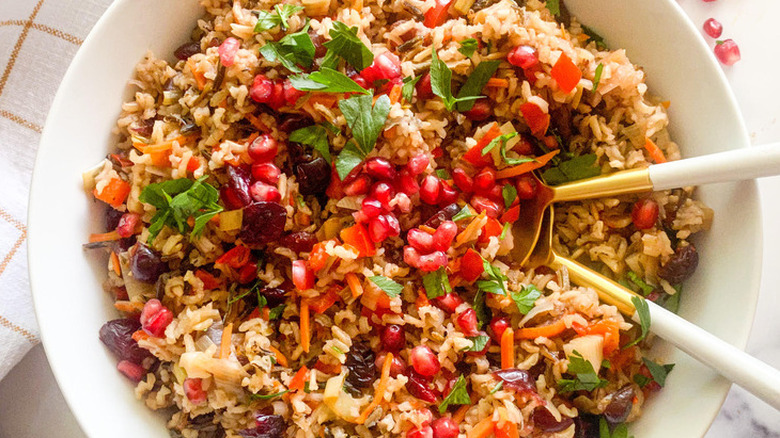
(386, 65)
(379, 168)
(261, 191)
(429, 189)
(263, 149)
(358, 186)
(497, 326)
(392, 338)
(442, 238)
(480, 111)
(462, 179)
(302, 275)
(396, 367)
(193, 389)
(445, 427)
(393, 224)
(485, 180)
(526, 187)
(266, 172)
(447, 194)
(422, 432)
(406, 183)
(371, 207)
(481, 204)
(227, 51)
(384, 193)
(131, 370)
(291, 94)
(127, 224)
(523, 56)
(467, 321)
(713, 28)
(420, 240)
(427, 262)
(448, 302)
(417, 164)
(645, 214)
(155, 318)
(424, 361)
(378, 229)
(727, 52)
(262, 89)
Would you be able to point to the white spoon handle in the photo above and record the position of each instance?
(735, 165)
(732, 363)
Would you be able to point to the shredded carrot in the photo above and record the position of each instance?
(471, 230)
(328, 100)
(498, 83)
(281, 359)
(427, 229)
(104, 237)
(266, 313)
(298, 381)
(391, 132)
(422, 299)
(508, 349)
(200, 79)
(546, 331)
(305, 329)
(526, 167)
(357, 5)
(379, 394)
(162, 147)
(128, 306)
(255, 121)
(115, 264)
(655, 152)
(666, 104)
(395, 94)
(140, 335)
(483, 429)
(224, 345)
(504, 428)
(114, 193)
(460, 414)
(354, 285)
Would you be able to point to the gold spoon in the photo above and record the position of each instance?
(730, 362)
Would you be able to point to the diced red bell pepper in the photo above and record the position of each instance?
(114, 193)
(302, 275)
(324, 302)
(298, 381)
(236, 258)
(474, 155)
(566, 73)
(511, 215)
(357, 236)
(318, 258)
(536, 119)
(471, 266)
(437, 15)
(492, 228)
(247, 273)
(209, 281)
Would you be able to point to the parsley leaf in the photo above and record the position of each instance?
(498, 140)
(672, 302)
(643, 287)
(346, 44)
(577, 168)
(484, 315)
(620, 430)
(509, 192)
(442, 173)
(276, 312)
(497, 387)
(598, 39)
(464, 213)
(597, 76)
(407, 91)
(366, 122)
(178, 200)
(326, 80)
(468, 47)
(479, 342)
(642, 380)
(496, 283)
(349, 158)
(658, 371)
(436, 283)
(315, 136)
(643, 311)
(476, 81)
(441, 82)
(554, 6)
(526, 298)
(585, 377)
(390, 287)
(268, 20)
(458, 396)
(253, 397)
(507, 226)
(292, 51)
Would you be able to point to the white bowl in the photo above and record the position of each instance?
(66, 283)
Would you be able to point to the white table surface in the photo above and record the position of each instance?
(31, 405)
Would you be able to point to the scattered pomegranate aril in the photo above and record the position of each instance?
(442, 238)
(467, 321)
(727, 52)
(131, 370)
(523, 56)
(420, 432)
(462, 180)
(266, 172)
(497, 327)
(429, 189)
(128, 224)
(291, 94)
(495, 194)
(396, 367)
(359, 80)
(384, 193)
(419, 386)
(371, 207)
(480, 111)
(386, 65)
(713, 28)
(227, 51)
(302, 275)
(262, 89)
(378, 229)
(193, 389)
(393, 338)
(417, 164)
(645, 214)
(358, 186)
(484, 350)
(277, 96)
(448, 302)
(447, 194)
(263, 149)
(155, 318)
(485, 180)
(445, 427)
(526, 187)
(379, 168)
(299, 241)
(394, 227)
(420, 240)
(428, 262)
(424, 89)
(263, 192)
(406, 183)
(481, 204)
(424, 361)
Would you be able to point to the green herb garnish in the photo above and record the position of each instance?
(643, 311)
(253, 397)
(496, 283)
(442, 173)
(644, 287)
(620, 430)
(507, 226)
(464, 213)
(595, 37)
(458, 396)
(276, 312)
(315, 136)
(577, 168)
(497, 387)
(585, 377)
(390, 287)
(436, 283)
(658, 371)
(179, 199)
(525, 299)
(326, 80)
(554, 7)
(292, 51)
(468, 47)
(366, 121)
(407, 91)
(479, 342)
(597, 76)
(484, 314)
(346, 44)
(509, 192)
(269, 20)
(441, 83)
(472, 89)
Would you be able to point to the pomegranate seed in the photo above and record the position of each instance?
(227, 51)
(462, 179)
(396, 368)
(302, 275)
(424, 361)
(277, 96)
(371, 208)
(384, 193)
(260, 191)
(480, 111)
(523, 57)
(417, 164)
(393, 338)
(262, 89)
(379, 168)
(448, 302)
(525, 147)
(291, 94)
(645, 214)
(429, 189)
(127, 224)
(378, 229)
(496, 194)
(155, 318)
(481, 204)
(385, 66)
(419, 386)
(266, 172)
(497, 327)
(424, 89)
(526, 187)
(484, 350)
(428, 262)
(727, 52)
(442, 238)
(131, 370)
(447, 194)
(713, 28)
(445, 427)
(422, 432)
(420, 240)
(406, 183)
(467, 321)
(247, 273)
(193, 389)
(394, 227)
(359, 186)
(485, 180)
(359, 80)
(263, 149)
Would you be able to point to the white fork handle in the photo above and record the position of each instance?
(734, 165)
(732, 363)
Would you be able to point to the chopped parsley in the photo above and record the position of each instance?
(472, 89)
(458, 396)
(498, 140)
(326, 80)
(596, 38)
(276, 312)
(509, 192)
(442, 173)
(464, 213)
(253, 397)
(597, 76)
(315, 136)
(643, 311)
(620, 430)
(574, 169)
(407, 91)
(179, 199)
(436, 283)
(585, 377)
(525, 299)
(479, 342)
(293, 51)
(496, 283)
(484, 315)
(643, 287)
(497, 387)
(390, 287)
(554, 6)
(441, 83)
(366, 120)
(346, 44)
(468, 47)
(507, 226)
(658, 371)
(269, 20)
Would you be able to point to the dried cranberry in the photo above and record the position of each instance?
(291, 122)
(235, 193)
(112, 218)
(680, 265)
(586, 426)
(445, 214)
(545, 421)
(117, 335)
(146, 264)
(393, 338)
(620, 406)
(313, 177)
(186, 50)
(267, 426)
(274, 296)
(300, 241)
(263, 223)
(517, 379)
(419, 386)
(360, 362)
